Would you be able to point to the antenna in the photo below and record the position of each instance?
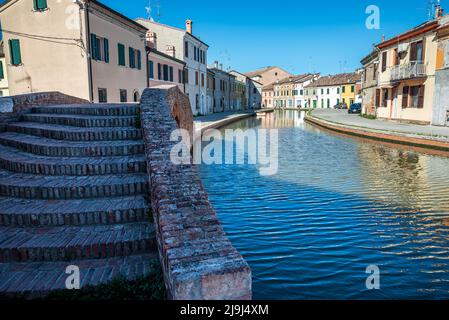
(431, 9)
(158, 6)
(149, 11)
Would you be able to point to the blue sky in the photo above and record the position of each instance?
(301, 36)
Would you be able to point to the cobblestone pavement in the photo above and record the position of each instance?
(342, 117)
(73, 190)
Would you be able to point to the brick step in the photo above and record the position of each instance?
(44, 277)
(29, 186)
(75, 242)
(14, 160)
(57, 148)
(81, 120)
(43, 213)
(60, 132)
(128, 109)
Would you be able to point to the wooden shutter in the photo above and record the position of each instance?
(377, 97)
(423, 50)
(171, 74)
(159, 71)
(421, 97)
(106, 50)
(14, 50)
(132, 63)
(139, 60)
(405, 94)
(93, 46)
(2, 74)
(40, 4)
(384, 61)
(151, 69)
(413, 52)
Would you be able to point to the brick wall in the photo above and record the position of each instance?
(198, 259)
(24, 102)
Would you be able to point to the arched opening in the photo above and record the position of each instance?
(136, 96)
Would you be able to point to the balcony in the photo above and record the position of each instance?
(408, 71)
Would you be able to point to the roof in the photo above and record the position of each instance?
(373, 55)
(269, 87)
(334, 80)
(295, 79)
(246, 76)
(171, 27)
(163, 54)
(258, 72)
(215, 71)
(422, 28)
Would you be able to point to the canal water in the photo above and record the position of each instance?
(336, 206)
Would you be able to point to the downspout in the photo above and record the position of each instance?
(89, 55)
(148, 66)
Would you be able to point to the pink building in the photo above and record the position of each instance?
(163, 67)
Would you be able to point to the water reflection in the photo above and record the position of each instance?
(336, 205)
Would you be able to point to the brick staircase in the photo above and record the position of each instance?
(72, 192)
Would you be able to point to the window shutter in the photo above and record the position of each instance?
(150, 69)
(40, 4)
(413, 52)
(121, 54)
(35, 4)
(106, 50)
(93, 46)
(423, 50)
(377, 97)
(159, 71)
(384, 61)
(171, 74)
(421, 97)
(14, 50)
(139, 60)
(2, 75)
(405, 94)
(131, 57)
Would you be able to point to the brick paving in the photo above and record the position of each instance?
(73, 187)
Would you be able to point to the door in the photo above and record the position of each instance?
(395, 114)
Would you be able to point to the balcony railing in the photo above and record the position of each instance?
(408, 71)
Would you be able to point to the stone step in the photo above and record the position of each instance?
(81, 120)
(14, 160)
(57, 148)
(43, 213)
(75, 242)
(29, 186)
(129, 109)
(44, 277)
(61, 132)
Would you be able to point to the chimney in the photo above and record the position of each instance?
(438, 11)
(171, 51)
(221, 66)
(152, 40)
(216, 64)
(189, 24)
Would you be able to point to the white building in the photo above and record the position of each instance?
(299, 92)
(193, 52)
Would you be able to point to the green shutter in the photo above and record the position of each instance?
(2, 75)
(14, 50)
(121, 54)
(139, 61)
(106, 50)
(40, 4)
(131, 58)
(93, 46)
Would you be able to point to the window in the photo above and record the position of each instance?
(151, 69)
(202, 79)
(328, 103)
(123, 95)
(165, 72)
(186, 49)
(171, 74)
(328, 91)
(99, 48)
(102, 95)
(14, 50)
(322, 91)
(180, 76)
(194, 54)
(397, 58)
(416, 97)
(417, 52)
(301, 92)
(139, 60)
(377, 97)
(121, 54)
(40, 5)
(351, 102)
(384, 61)
(352, 89)
(338, 90)
(186, 76)
(375, 71)
(2, 73)
(196, 78)
(132, 58)
(385, 98)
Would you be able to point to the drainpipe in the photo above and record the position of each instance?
(85, 5)
(148, 65)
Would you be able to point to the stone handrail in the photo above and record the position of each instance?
(199, 262)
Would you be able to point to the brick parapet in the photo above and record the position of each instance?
(198, 259)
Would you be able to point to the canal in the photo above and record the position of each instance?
(336, 206)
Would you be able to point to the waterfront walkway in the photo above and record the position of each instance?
(218, 120)
(354, 120)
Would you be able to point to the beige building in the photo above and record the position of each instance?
(268, 96)
(4, 87)
(268, 75)
(80, 48)
(369, 83)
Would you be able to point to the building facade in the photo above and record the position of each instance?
(268, 75)
(299, 88)
(4, 87)
(95, 53)
(268, 96)
(164, 67)
(224, 89)
(191, 50)
(440, 115)
(369, 83)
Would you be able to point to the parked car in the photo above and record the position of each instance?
(341, 106)
(355, 108)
